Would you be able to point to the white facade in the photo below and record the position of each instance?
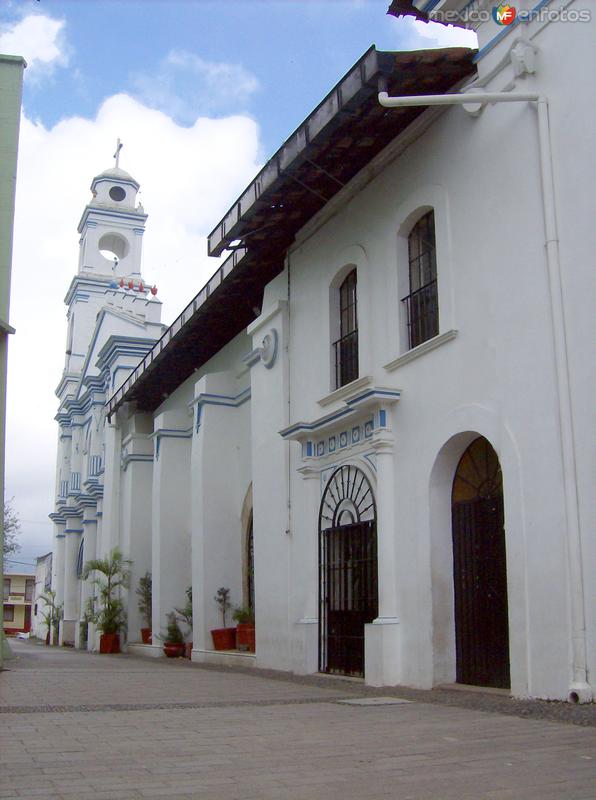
(252, 438)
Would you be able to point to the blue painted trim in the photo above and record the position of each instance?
(309, 449)
(141, 457)
(313, 426)
(393, 394)
(168, 433)
(226, 400)
(73, 530)
(382, 418)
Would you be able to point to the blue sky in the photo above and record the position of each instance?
(287, 55)
(201, 93)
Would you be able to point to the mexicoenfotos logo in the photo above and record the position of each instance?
(504, 14)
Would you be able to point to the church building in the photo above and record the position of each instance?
(373, 424)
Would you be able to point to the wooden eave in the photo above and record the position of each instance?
(341, 136)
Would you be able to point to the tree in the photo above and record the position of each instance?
(52, 613)
(114, 574)
(12, 527)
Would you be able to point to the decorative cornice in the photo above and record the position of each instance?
(113, 215)
(130, 457)
(266, 316)
(168, 433)
(345, 391)
(210, 399)
(361, 400)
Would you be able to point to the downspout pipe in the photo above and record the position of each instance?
(579, 690)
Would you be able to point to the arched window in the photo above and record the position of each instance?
(80, 559)
(422, 303)
(345, 349)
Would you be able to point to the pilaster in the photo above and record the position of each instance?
(137, 480)
(171, 550)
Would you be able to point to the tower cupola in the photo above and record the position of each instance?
(112, 226)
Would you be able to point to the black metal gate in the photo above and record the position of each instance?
(349, 595)
(480, 582)
(347, 571)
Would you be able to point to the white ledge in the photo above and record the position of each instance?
(421, 349)
(345, 391)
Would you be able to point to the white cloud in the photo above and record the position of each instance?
(184, 83)
(39, 39)
(189, 176)
(434, 34)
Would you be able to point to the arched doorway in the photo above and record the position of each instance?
(479, 569)
(348, 593)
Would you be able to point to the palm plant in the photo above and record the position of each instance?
(52, 614)
(185, 613)
(114, 574)
(144, 592)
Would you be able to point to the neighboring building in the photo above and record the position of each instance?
(113, 320)
(11, 89)
(375, 422)
(43, 583)
(19, 590)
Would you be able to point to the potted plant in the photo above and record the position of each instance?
(110, 617)
(52, 614)
(144, 592)
(223, 638)
(173, 645)
(244, 616)
(185, 614)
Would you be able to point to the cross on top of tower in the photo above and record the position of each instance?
(116, 155)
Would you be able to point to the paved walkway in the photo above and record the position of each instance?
(75, 725)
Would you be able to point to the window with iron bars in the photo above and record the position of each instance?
(345, 349)
(422, 304)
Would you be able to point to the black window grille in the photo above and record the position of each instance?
(346, 347)
(422, 304)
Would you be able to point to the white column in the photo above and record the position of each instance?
(305, 649)
(72, 541)
(58, 570)
(171, 550)
(89, 552)
(137, 476)
(382, 653)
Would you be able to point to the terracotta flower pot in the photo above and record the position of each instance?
(109, 643)
(245, 636)
(173, 649)
(146, 635)
(224, 638)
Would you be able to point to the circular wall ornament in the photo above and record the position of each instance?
(117, 193)
(269, 349)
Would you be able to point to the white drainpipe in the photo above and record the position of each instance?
(580, 690)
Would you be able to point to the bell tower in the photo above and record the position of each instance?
(112, 227)
(109, 272)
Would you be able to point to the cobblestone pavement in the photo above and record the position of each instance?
(75, 725)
